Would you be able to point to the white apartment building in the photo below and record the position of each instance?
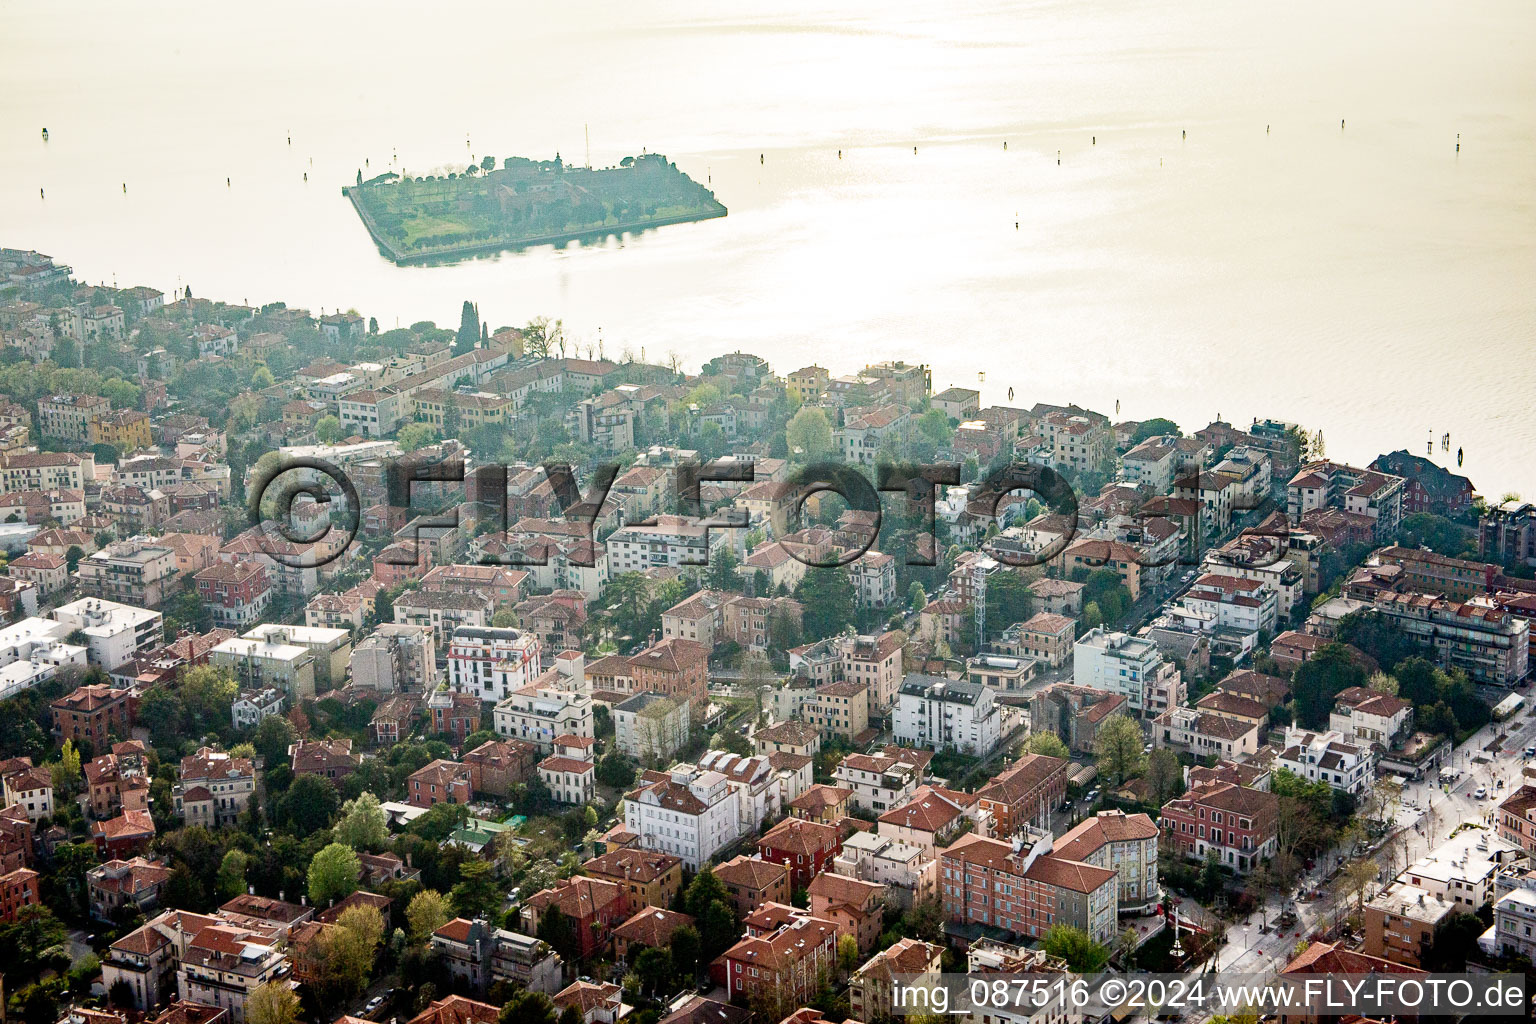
(673, 541)
(1514, 923)
(873, 576)
(331, 647)
(1464, 869)
(544, 714)
(1055, 1003)
(395, 658)
(114, 632)
(691, 814)
(1234, 602)
(223, 966)
(491, 662)
(1283, 576)
(759, 793)
(1151, 464)
(261, 663)
(444, 611)
(31, 651)
(570, 772)
(878, 781)
(650, 727)
(251, 706)
(1328, 757)
(909, 874)
(946, 714)
(1119, 663)
(138, 570)
(45, 471)
(1364, 716)
(1251, 469)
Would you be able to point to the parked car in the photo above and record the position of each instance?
(1530, 751)
(373, 1004)
(1481, 792)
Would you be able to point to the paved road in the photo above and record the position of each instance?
(1428, 815)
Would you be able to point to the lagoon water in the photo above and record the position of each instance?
(1210, 240)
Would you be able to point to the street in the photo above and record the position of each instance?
(1427, 816)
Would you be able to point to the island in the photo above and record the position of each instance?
(523, 203)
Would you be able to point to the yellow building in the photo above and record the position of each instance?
(475, 409)
(807, 383)
(124, 429)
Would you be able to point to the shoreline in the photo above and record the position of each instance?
(403, 259)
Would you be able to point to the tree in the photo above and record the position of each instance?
(72, 558)
(469, 329)
(1165, 775)
(1210, 876)
(687, 950)
(732, 741)
(654, 968)
(809, 434)
(934, 425)
(721, 573)
(525, 1007)
(273, 1002)
(476, 894)
(1118, 747)
(328, 430)
(272, 739)
(1157, 426)
(783, 625)
(828, 598)
(1008, 600)
(557, 929)
(66, 773)
(415, 436)
(917, 600)
(507, 850)
(1082, 954)
(847, 953)
(614, 770)
(206, 694)
(1319, 681)
(333, 874)
(362, 825)
(1454, 937)
(231, 877)
(543, 336)
(308, 805)
(1359, 874)
(426, 913)
(1383, 683)
(361, 930)
(713, 912)
(1047, 743)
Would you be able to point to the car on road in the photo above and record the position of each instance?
(1530, 751)
(1480, 792)
(373, 1005)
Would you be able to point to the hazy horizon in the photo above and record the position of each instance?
(1368, 281)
